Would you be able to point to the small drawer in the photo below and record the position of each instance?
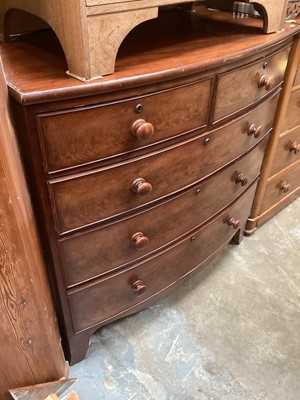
(281, 186)
(240, 88)
(90, 198)
(292, 118)
(287, 151)
(92, 254)
(125, 290)
(86, 134)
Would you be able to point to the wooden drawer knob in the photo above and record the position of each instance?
(235, 223)
(139, 240)
(242, 179)
(266, 81)
(142, 130)
(285, 187)
(254, 130)
(138, 287)
(295, 147)
(141, 187)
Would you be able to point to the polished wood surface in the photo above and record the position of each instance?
(30, 350)
(121, 192)
(196, 158)
(86, 134)
(101, 250)
(261, 77)
(177, 263)
(150, 54)
(91, 32)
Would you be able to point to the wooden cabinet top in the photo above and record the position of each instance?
(175, 45)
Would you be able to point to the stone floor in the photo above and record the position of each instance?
(230, 333)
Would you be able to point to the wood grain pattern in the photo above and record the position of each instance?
(157, 273)
(30, 350)
(88, 198)
(88, 194)
(86, 134)
(155, 53)
(99, 251)
(245, 82)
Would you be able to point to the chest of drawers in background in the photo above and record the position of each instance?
(280, 179)
(141, 178)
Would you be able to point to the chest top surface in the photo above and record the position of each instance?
(170, 47)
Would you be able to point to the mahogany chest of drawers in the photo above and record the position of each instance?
(139, 179)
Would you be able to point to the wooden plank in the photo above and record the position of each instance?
(30, 350)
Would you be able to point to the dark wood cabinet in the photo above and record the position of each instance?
(139, 179)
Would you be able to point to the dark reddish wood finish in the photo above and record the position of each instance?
(125, 206)
(108, 248)
(88, 198)
(158, 272)
(236, 92)
(85, 134)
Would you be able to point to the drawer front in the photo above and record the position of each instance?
(117, 294)
(287, 152)
(84, 135)
(92, 254)
(280, 187)
(103, 194)
(292, 118)
(240, 88)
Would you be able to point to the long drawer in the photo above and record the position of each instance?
(287, 151)
(237, 89)
(91, 254)
(281, 186)
(87, 199)
(119, 292)
(86, 134)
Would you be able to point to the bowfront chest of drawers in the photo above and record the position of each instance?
(140, 179)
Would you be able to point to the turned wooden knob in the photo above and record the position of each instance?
(235, 223)
(138, 287)
(142, 130)
(266, 81)
(254, 130)
(141, 187)
(139, 240)
(242, 179)
(285, 187)
(295, 147)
